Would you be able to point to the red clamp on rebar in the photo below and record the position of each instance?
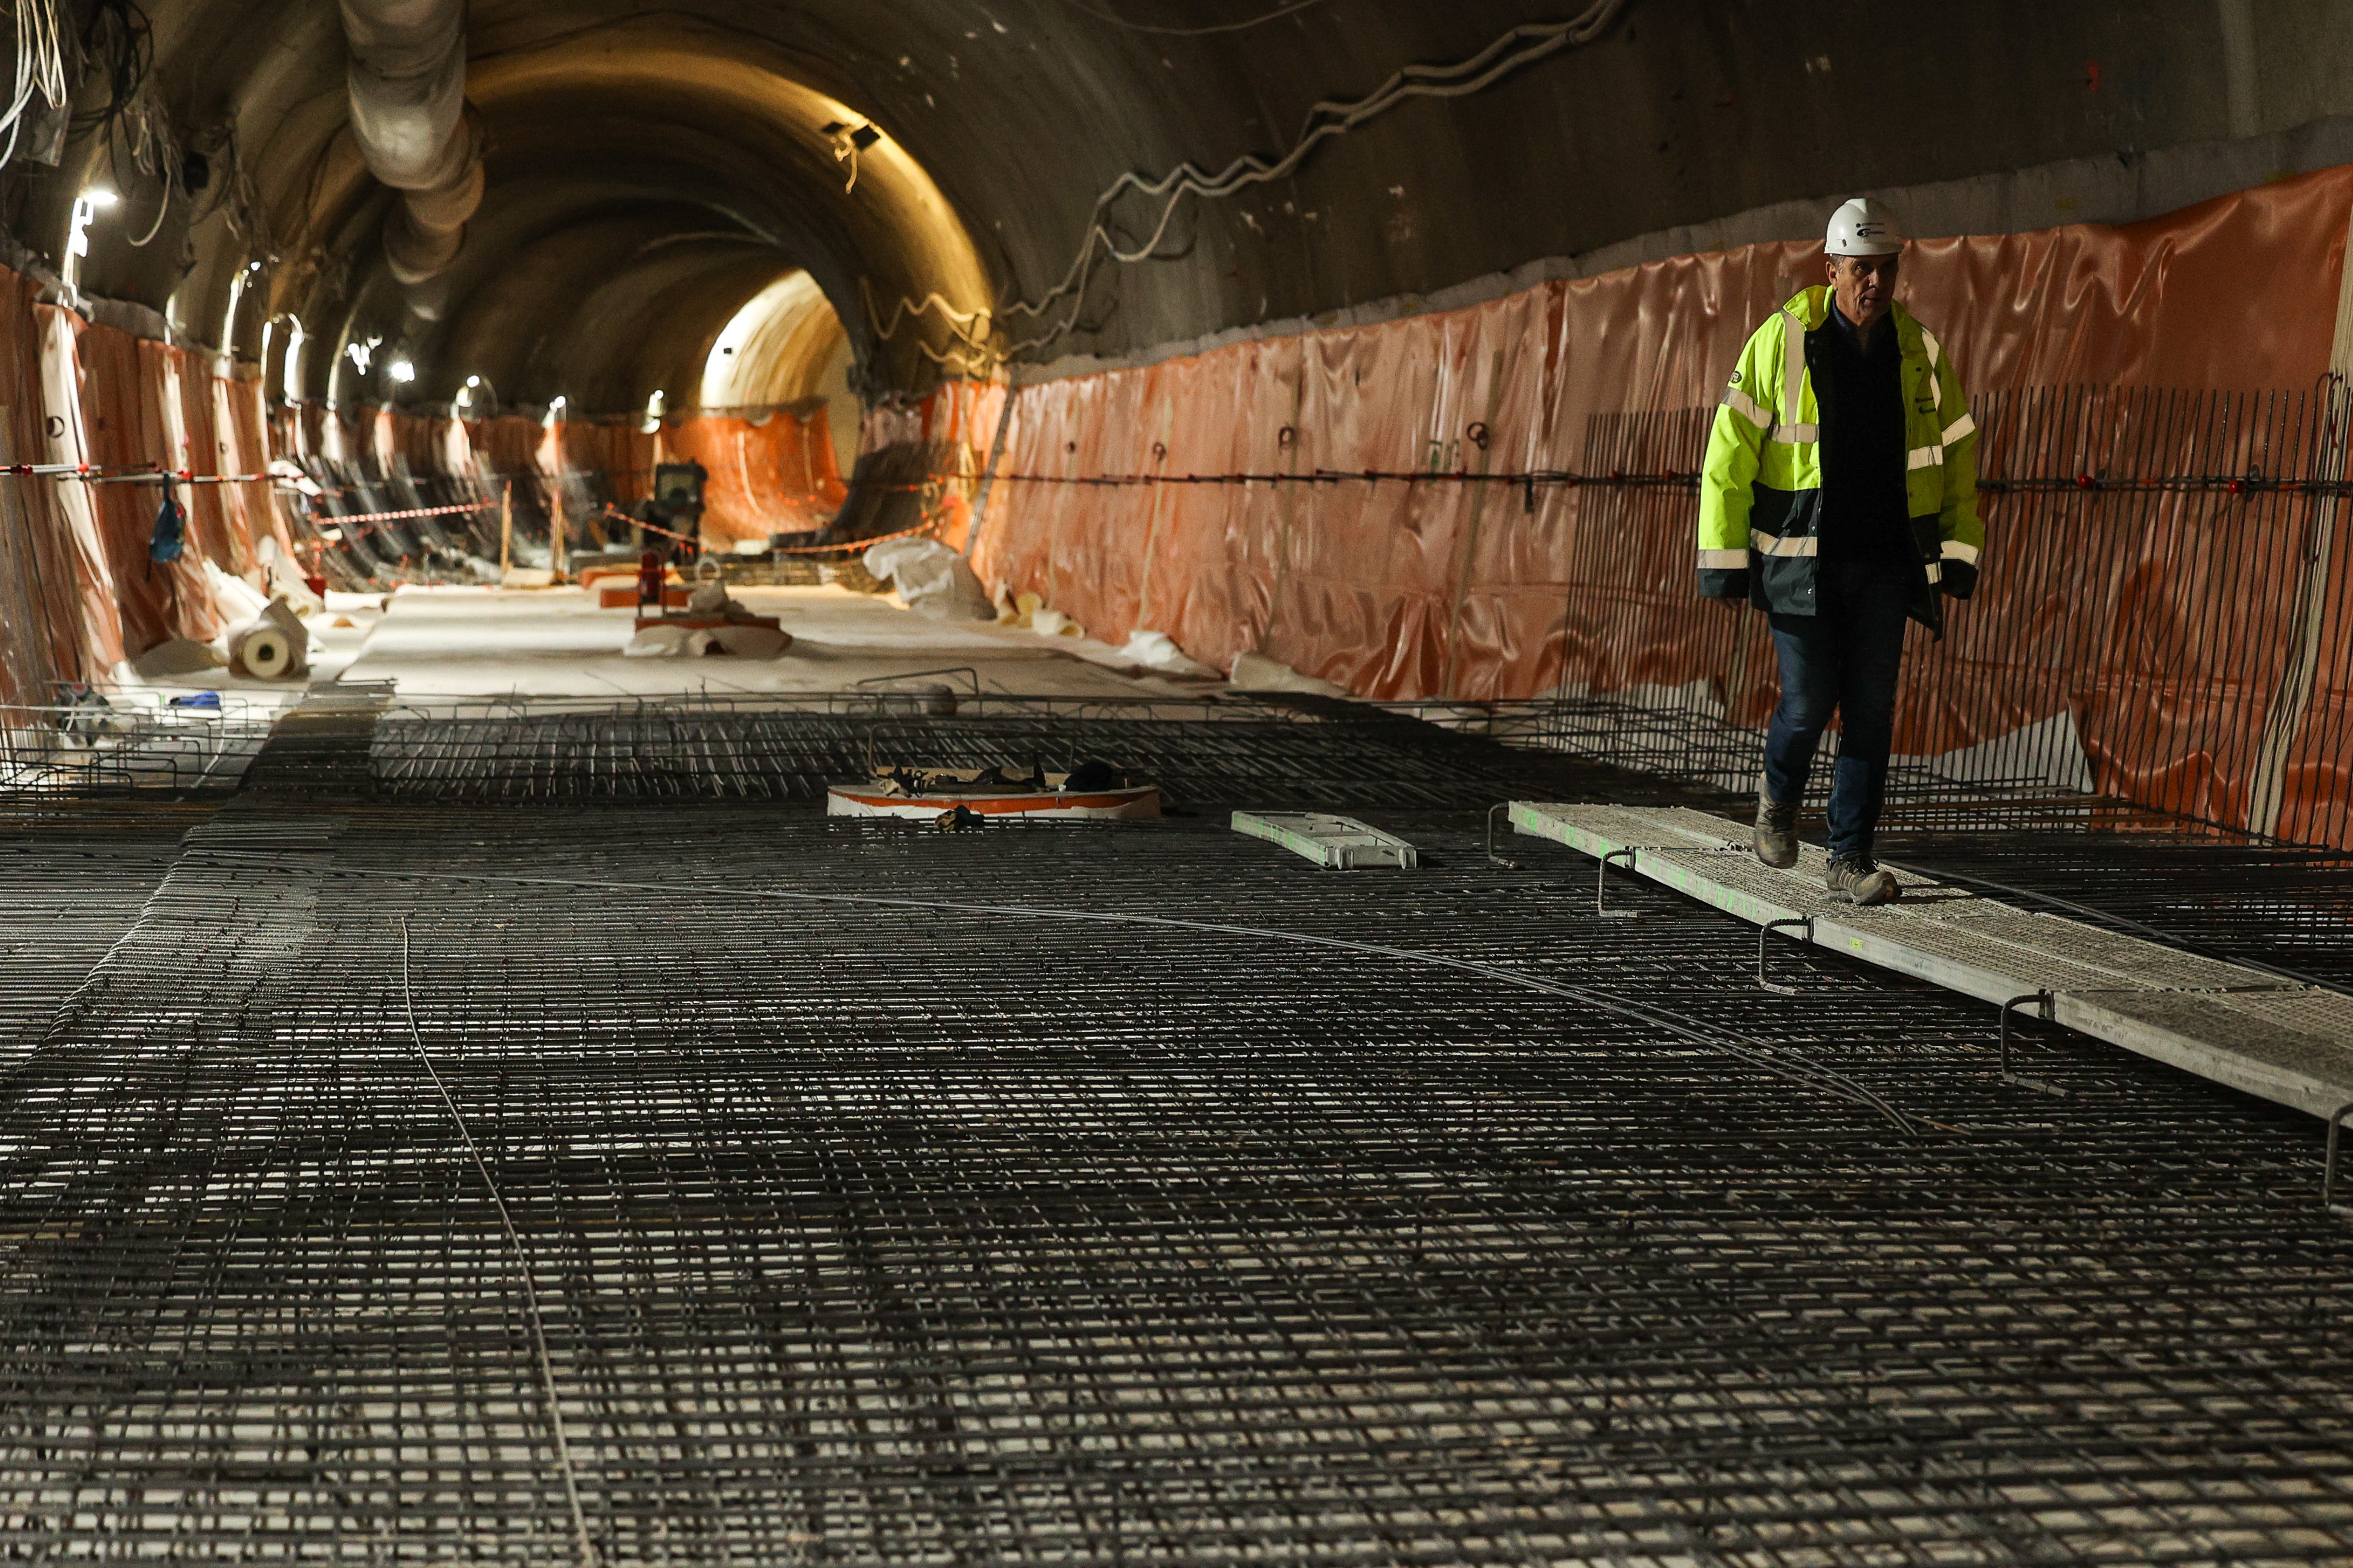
(2085, 482)
(2237, 487)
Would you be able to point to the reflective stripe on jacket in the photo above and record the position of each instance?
(1761, 487)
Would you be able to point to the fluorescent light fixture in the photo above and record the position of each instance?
(99, 197)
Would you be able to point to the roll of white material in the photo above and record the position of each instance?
(265, 652)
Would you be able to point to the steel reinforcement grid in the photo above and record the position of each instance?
(2153, 627)
(1310, 750)
(719, 1185)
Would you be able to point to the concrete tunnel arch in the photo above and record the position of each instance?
(645, 188)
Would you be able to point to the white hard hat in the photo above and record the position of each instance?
(1864, 227)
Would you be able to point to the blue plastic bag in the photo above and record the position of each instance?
(171, 536)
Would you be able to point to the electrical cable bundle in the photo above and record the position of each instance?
(40, 68)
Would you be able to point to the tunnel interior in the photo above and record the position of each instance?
(799, 781)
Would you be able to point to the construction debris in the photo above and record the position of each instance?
(1090, 791)
(932, 579)
(713, 622)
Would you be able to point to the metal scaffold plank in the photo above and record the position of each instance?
(1335, 843)
(2244, 1027)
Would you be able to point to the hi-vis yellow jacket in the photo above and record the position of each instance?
(1761, 489)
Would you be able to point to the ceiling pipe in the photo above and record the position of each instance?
(414, 126)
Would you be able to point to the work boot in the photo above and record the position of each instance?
(1860, 880)
(1776, 829)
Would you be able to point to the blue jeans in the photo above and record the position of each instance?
(1843, 658)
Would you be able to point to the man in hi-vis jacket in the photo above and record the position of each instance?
(1840, 496)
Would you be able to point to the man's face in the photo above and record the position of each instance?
(1865, 286)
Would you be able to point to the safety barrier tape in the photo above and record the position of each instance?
(411, 511)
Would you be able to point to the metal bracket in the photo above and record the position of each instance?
(1492, 858)
(1804, 923)
(2042, 999)
(2329, 1164)
(1601, 909)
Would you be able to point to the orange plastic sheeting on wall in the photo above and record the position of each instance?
(771, 475)
(241, 445)
(57, 603)
(123, 426)
(1442, 586)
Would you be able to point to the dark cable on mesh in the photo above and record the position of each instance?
(1798, 1069)
(588, 1556)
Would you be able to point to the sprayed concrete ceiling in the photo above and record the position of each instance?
(651, 169)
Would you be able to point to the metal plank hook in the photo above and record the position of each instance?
(2042, 999)
(1601, 909)
(1803, 922)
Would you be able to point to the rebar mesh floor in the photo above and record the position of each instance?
(1118, 1193)
(2268, 903)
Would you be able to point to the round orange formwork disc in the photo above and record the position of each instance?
(1137, 802)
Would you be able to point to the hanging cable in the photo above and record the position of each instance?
(1522, 45)
(582, 1540)
(41, 67)
(1275, 16)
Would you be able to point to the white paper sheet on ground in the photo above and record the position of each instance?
(241, 599)
(1159, 651)
(668, 642)
(931, 579)
(1256, 672)
(685, 642)
(2048, 752)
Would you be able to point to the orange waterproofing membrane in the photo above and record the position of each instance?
(1408, 590)
(57, 615)
(83, 594)
(770, 473)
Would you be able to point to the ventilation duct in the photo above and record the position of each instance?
(414, 128)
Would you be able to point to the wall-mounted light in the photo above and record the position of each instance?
(86, 208)
(473, 381)
(363, 352)
(295, 338)
(554, 412)
(401, 370)
(848, 141)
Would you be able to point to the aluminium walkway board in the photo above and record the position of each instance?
(2252, 1030)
